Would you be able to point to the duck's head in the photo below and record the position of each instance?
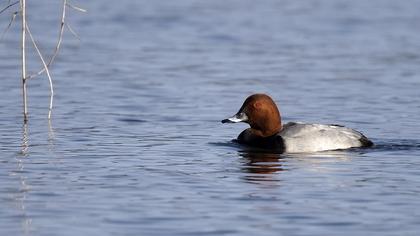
(261, 113)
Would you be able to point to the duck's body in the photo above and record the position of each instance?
(267, 131)
(302, 137)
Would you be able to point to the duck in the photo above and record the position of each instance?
(267, 131)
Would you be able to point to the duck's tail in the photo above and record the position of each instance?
(365, 141)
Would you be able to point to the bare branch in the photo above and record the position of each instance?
(76, 8)
(72, 31)
(57, 46)
(45, 67)
(60, 37)
(9, 25)
(23, 47)
(8, 6)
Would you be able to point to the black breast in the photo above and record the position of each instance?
(274, 142)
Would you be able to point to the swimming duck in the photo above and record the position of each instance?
(267, 131)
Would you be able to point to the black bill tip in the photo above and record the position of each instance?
(226, 121)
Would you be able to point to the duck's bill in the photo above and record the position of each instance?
(240, 117)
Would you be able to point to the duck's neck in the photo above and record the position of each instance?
(267, 130)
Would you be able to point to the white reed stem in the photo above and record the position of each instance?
(57, 46)
(25, 102)
(46, 70)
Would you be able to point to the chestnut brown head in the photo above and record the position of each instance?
(261, 113)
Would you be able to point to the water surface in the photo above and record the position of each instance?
(136, 147)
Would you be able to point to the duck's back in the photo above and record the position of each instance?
(302, 137)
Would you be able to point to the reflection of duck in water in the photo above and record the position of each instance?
(267, 131)
(261, 166)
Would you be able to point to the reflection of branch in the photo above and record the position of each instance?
(51, 135)
(46, 69)
(21, 195)
(25, 139)
(8, 6)
(51, 138)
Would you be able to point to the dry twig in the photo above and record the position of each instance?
(8, 6)
(57, 46)
(46, 70)
(73, 32)
(76, 8)
(46, 65)
(9, 25)
(25, 102)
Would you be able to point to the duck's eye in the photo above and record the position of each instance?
(257, 105)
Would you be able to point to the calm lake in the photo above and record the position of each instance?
(136, 147)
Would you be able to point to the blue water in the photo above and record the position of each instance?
(136, 147)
